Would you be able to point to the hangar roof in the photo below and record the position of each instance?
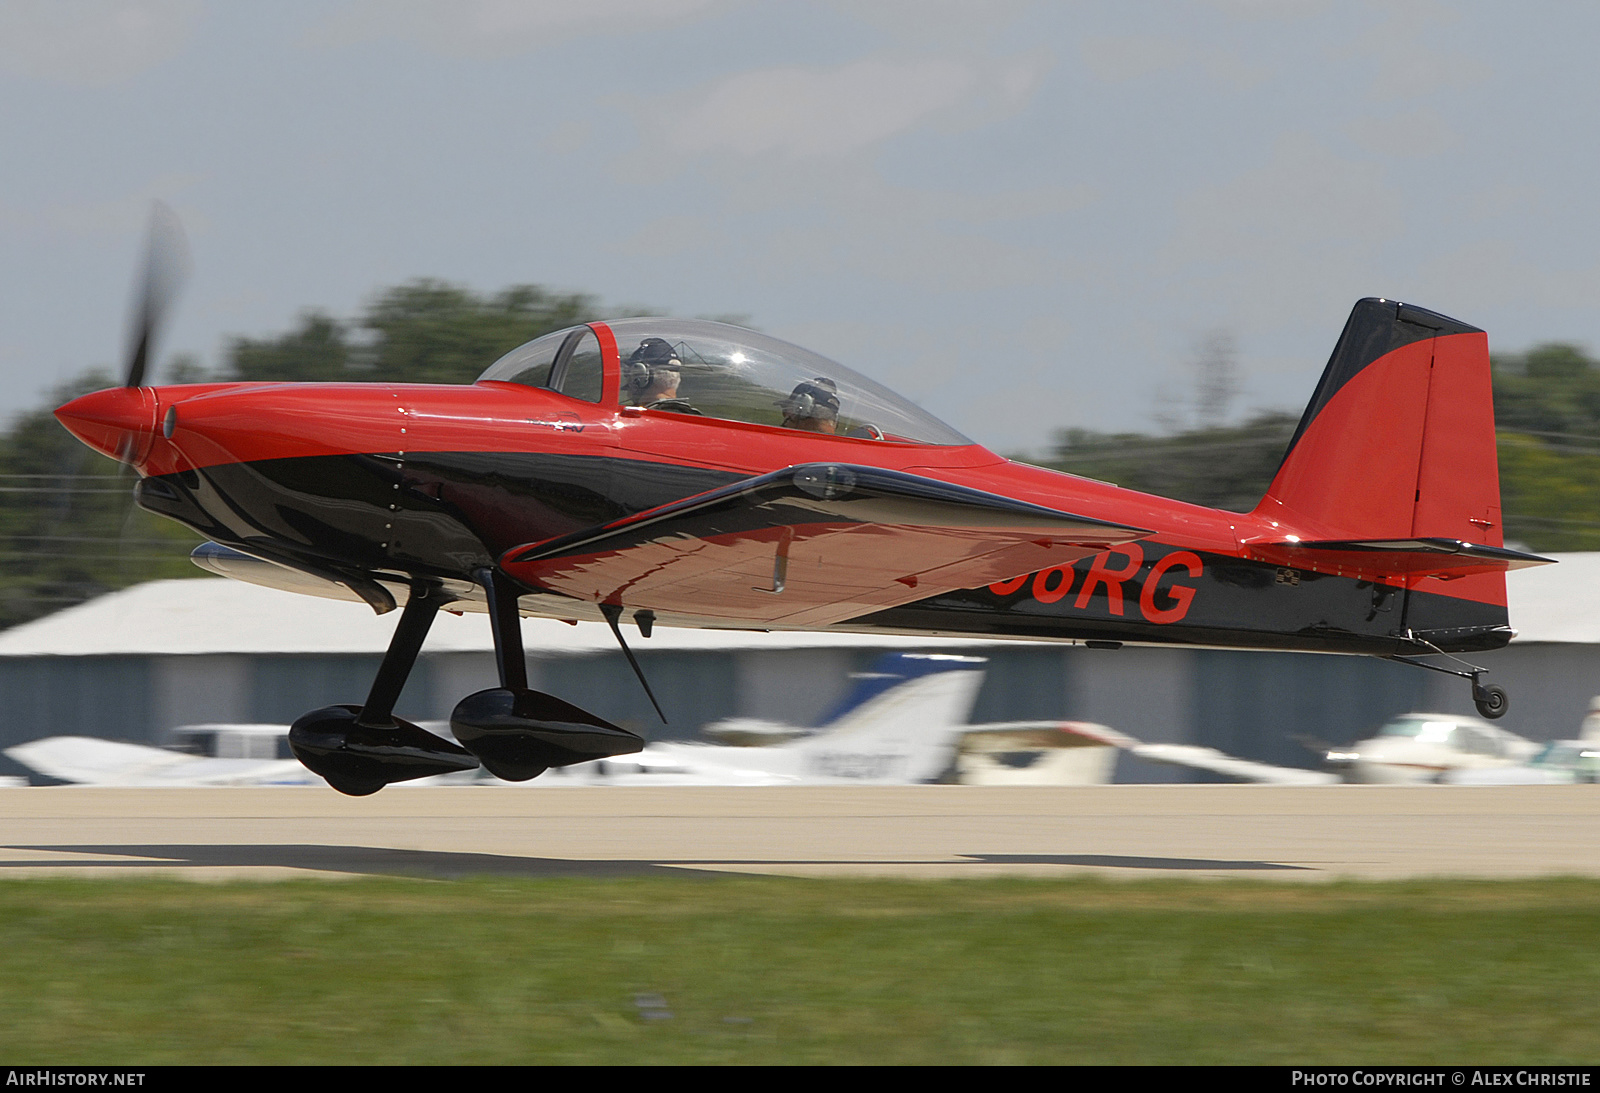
(212, 615)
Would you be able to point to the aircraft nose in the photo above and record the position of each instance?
(119, 421)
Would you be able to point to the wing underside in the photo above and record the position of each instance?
(811, 546)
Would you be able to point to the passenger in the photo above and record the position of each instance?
(812, 406)
(651, 373)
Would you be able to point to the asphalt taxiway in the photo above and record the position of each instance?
(1264, 832)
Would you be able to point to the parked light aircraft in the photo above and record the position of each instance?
(1230, 766)
(887, 671)
(1429, 747)
(90, 760)
(902, 722)
(905, 732)
(1557, 763)
(690, 473)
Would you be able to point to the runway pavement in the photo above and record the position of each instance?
(1264, 832)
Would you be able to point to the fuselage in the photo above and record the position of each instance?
(438, 481)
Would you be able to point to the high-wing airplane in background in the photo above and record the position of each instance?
(688, 473)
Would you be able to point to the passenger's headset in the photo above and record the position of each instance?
(642, 363)
(804, 402)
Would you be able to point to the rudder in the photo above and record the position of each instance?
(1398, 440)
(1393, 467)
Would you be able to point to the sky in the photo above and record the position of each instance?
(1023, 216)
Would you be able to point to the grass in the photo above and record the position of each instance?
(768, 970)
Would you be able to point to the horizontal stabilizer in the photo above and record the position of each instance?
(811, 546)
(1395, 558)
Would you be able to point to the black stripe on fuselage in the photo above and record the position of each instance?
(443, 513)
(1230, 602)
(447, 513)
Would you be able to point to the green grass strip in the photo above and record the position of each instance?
(776, 970)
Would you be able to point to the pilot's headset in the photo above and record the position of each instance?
(653, 355)
(817, 398)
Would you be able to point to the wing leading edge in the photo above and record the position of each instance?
(811, 546)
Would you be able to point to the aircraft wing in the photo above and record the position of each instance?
(89, 760)
(1198, 758)
(810, 546)
(1060, 734)
(1083, 733)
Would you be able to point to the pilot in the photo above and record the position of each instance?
(812, 406)
(650, 374)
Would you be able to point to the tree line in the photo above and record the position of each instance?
(1547, 425)
(69, 530)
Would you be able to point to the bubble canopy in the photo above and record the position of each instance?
(724, 372)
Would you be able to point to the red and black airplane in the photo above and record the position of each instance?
(688, 473)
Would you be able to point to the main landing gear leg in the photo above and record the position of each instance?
(518, 733)
(361, 749)
(1492, 702)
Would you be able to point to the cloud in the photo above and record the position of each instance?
(499, 28)
(674, 235)
(801, 113)
(1128, 57)
(1414, 133)
(1303, 196)
(798, 222)
(1494, 275)
(93, 43)
(1304, 226)
(111, 218)
(1409, 64)
(953, 23)
(1121, 58)
(1271, 9)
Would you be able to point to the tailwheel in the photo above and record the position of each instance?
(1492, 702)
(518, 733)
(359, 760)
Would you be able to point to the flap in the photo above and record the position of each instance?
(810, 546)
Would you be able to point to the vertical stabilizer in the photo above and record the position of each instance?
(906, 733)
(1398, 440)
(888, 671)
(1398, 444)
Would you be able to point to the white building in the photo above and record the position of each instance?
(135, 663)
